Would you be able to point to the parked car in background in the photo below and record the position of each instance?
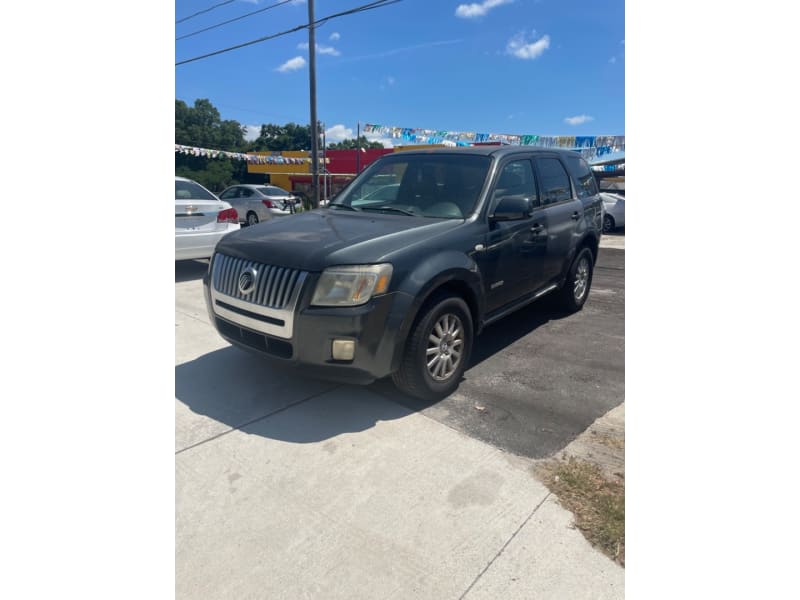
(614, 211)
(201, 220)
(256, 203)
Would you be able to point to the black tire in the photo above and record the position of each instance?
(414, 376)
(252, 218)
(573, 294)
(608, 224)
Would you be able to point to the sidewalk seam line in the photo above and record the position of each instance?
(239, 427)
(185, 314)
(496, 556)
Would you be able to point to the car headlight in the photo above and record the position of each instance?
(351, 285)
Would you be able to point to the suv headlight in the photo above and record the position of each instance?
(351, 285)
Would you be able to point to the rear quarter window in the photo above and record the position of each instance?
(584, 178)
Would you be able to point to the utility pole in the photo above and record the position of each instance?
(358, 148)
(312, 86)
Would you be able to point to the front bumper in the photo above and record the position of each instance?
(376, 327)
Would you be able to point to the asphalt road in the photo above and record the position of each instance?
(538, 378)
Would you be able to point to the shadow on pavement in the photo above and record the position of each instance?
(498, 336)
(493, 339)
(237, 389)
(189, 270)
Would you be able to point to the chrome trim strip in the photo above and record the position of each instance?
(508, 311)
(286, 314)
(275, 295)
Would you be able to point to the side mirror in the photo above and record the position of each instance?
(512, 208)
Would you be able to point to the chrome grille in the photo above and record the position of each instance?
(273, 287)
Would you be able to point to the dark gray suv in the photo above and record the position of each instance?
(409, 263)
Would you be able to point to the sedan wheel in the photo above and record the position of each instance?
(608, 224)
(252, 218)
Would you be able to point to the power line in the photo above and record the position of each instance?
(209, 9)
(362, 8)
(250, 14)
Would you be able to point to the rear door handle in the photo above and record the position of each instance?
(576, 215)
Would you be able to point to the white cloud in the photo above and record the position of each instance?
(321, 49)
(519, 47)
(387, 141)
(338, 133)
(298, 62)
(474, 10)
(578, 120)
(252, 132)
(334, 37)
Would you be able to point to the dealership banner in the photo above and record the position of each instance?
(590, 147)
(275, 158)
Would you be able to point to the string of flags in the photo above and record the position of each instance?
(275, 158)
(589, 146)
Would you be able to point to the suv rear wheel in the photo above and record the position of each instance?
(579, 281)
(437, 350)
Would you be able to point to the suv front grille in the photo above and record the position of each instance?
(273, 286)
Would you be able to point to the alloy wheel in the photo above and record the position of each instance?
(445, 346)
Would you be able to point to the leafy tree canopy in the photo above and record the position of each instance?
(351, 144)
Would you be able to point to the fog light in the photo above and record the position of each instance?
(343, 349)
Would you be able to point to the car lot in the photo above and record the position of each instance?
(291, 487)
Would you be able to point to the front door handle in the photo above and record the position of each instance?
(576, 215)
(536, 228)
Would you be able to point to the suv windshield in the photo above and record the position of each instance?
(444, 186)
(189, 190)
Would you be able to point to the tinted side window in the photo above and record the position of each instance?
(587, 186)
(517, 179)
(245, 192)
(555, 181)
(227, 194)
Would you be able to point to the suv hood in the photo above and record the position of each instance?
(321, 238)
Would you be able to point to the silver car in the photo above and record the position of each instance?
(201, 220)
(614, 211)
(256, 203)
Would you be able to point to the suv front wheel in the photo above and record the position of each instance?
(437, 350)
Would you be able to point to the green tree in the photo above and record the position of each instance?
(201, 125)
(283, 137)
(351, 144)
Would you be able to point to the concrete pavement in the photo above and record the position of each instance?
(295, 488)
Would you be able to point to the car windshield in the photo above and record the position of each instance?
(444, 186)
(189, 190)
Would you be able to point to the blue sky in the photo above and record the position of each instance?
(541, 67)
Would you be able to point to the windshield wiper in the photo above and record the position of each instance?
(390, 208)
(347, 206)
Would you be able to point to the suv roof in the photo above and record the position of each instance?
(499, 151)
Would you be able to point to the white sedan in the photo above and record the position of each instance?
(614, 211)
(201, 219)
(256, 203)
